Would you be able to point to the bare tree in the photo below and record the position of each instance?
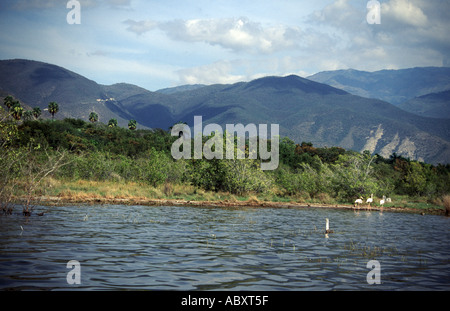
(38, 165)
(9, 159)
(23, 168)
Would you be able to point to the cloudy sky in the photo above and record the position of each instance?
(164, 43)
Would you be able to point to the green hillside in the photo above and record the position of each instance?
(393, 86)
(434, 105)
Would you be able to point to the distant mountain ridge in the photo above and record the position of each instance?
(434, 105)
(393, 86)
(181, 88)
(306, 110)
(37, 84)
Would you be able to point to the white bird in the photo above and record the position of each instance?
(358, 201)
(370, 200)
(327, 226)
(383, 200)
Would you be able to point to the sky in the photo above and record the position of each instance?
(157, 44)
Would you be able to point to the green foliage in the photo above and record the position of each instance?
(353, 176)
(9, 101)
(132, 125)
(288, 180)
(9, 157)
(37, 112)
(287, 152)
(234, 176)
(415, 181)
(205, 174)
(306, 179)
(27, 115)
(53, 108)
(90, 166)
(243, 176)
(154, 167)
(99, 152)
(16, 112)
(112, 123)
(93, 117)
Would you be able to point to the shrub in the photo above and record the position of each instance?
(353, 176)
(288, 181)
(242, 176)
(207, 175)
(154, 168)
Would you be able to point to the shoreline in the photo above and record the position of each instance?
(57, 201)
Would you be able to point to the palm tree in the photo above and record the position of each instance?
(37, 112)
(15, 103)
(53, 108)
(17, 112)
(8, 101)
(93, 117)
(112, 123)
(132, 125)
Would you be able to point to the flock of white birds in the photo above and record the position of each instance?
(370, 200)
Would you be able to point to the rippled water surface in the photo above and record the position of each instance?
(198, 248)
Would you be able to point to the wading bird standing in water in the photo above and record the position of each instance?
(358, 201)
(383, 200)
(327, 226)
(370, 200)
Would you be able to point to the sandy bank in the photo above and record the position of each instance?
(56, 200)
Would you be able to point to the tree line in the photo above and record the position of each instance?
(90, 150)
(18, 112)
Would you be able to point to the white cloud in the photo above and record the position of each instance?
(218, 72)
(236, 34)
(340, 13)
(412, 33)
(404, 12)
(244, 69)
(209, 42)
(139, 27)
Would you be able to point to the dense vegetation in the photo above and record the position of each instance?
(73, 149)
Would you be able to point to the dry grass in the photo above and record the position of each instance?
(446, 202)
(303, 197)
(168, 189)
(324, 198)
(253, 199)
(183, 189)
(88, 189)
(114, 189)
(232, 198)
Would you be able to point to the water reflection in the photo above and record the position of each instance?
(192, 248)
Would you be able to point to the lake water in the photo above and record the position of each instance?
(201, 248)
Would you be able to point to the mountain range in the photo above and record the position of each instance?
(359, 113)
(393, 86)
